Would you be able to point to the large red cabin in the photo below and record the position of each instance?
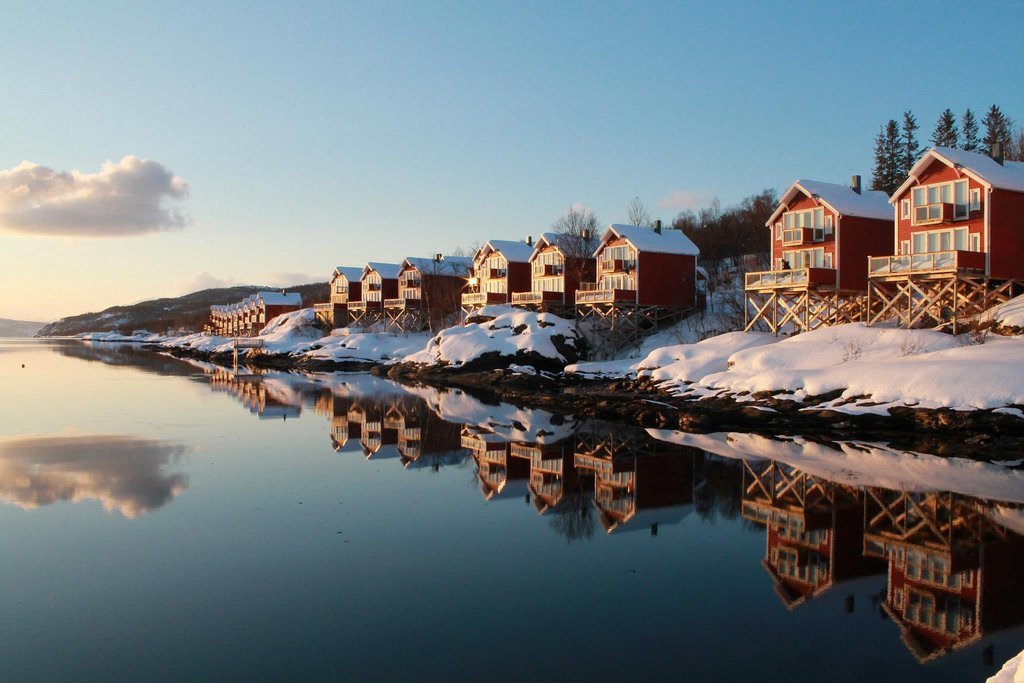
(821, 235)
(429, 292)
(559, 264)
(345, 286)
(958, 211)
(500, 267)
(644, 267)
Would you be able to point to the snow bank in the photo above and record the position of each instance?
(542, 338)
(1012, 671)
(366, 347)
(1010, 314)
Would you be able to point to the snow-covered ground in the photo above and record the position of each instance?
(1012, 671)
(874, 367)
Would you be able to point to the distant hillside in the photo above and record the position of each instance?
(159, 315)
(18, 328)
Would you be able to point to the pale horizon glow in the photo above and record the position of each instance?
(175, 146)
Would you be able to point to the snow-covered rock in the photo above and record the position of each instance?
(1012, 671)
(542, 340)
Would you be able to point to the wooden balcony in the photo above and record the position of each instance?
(536, 298)
(590, 294)
(402, 303)
(932, 214)
(484, 298)
(617, 265)
(797, 278)
(927, 263)
(794, 236)
(365, 305)
(339, 298)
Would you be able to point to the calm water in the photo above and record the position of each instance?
(167, 521)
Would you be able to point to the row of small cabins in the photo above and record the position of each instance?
(250, 315)
(946, 245)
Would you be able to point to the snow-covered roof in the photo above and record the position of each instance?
(840, 198)
(1008, 176)
(668, 241)
(280, 298)
(514, 252)
(449, 265)
(350, 273)
(387, 271)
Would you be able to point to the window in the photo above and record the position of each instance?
(828, 225)
(931, 241)
(929, 202)
(778, 231)
(904, 247)
(905, 208)
(976, 199)
(806, 258)
(975, 242)
(809, 218)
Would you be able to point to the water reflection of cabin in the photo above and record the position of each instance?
(499, 474)
(345, 286)
(500, 267)
(429, 292)
(558, 265)
(638, 482)
(553, 473)
(252, 393)
(956, 248)
(821, 235)
(368, 416)
(954, 574)
(379, 281)
(813, 529)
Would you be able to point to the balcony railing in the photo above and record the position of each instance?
(529, 298)
(484, 298)
(340, 298)
(394, 303)
(801, 235)
(797, 277)
(933, 213)
(590, 294)
(617, 265)
(931, 262)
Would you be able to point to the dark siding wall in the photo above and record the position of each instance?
(1007, 234)
(667, 280)
(860, 238)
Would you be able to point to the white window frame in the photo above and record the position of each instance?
(904, 247)
(905, 208)
(960, 211)
(975, 199)
(828, 225)
(778, 230)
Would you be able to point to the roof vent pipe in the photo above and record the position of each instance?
(997, 152)
(657, 226)
(529, 240)
(855, 184)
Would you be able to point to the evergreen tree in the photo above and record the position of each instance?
(888, 159)
(997, 129)
(946, 134)
(909, 147)
(970, 131)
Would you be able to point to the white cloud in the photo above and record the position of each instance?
(292, 279)
(129, 197)
(679, 200)
(207, 280)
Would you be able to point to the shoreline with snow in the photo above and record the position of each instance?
(840, 379)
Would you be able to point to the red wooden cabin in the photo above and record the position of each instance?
(500, 267)
(958, 211)
(269, 305)
(644, 267)
(429, 292)
(558, 265)
(821, 235)
(345, 285)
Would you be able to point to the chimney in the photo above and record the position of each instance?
(438, 257)
(529, 240)
(282, 291)
(997, 152)
(657, 226)
(855, 184)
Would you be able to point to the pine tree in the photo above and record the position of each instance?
(888, 159)
(909, 147)
(970, 131)
(997, 129)
(946, 134)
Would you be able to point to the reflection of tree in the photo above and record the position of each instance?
(123, 473)
(718, 491)
(573, 519)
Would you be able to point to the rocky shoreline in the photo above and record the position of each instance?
(977, 433)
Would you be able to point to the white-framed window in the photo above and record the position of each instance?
(905, 208)
(808, 218)
(828, 225)
(904, 247)
(931, 241)
(976, 199)
(806, 258)
(975, 240)
(929, 202)
(778, 231)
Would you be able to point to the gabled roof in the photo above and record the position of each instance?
(280, 298)
(387, 271)
(350, 273)
(460, 266)
(984, 169)
(557, 239)
(514, 252)
(669, 241)
(839, 198)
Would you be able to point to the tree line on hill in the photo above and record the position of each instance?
(897, 148)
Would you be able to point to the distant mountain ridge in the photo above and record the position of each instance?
(19, 328)
(159, 315)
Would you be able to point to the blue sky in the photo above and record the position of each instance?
(312, 135)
